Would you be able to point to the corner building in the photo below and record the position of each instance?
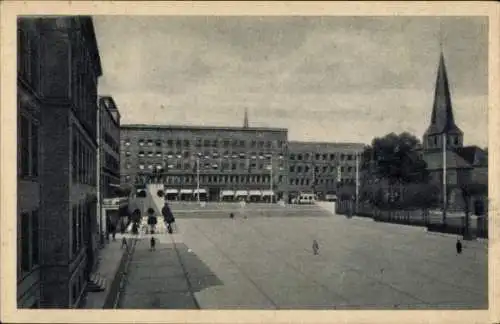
(322, 168)
(57, 137)
(232, 161)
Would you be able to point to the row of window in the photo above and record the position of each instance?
(307, 182)
(111, 162)
(83, 161)
(321, 156)
(207, 143)
(108, 139)
(28, 146)
(317, 170)
(215, 179)
(206, 155)
(432, 141)
(207, 166)
(84, 88)
(29, 236)
(82, 213)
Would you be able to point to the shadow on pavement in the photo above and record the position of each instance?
(166, 278)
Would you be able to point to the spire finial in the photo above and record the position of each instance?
(245, 121)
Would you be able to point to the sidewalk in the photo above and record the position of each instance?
(110, 259)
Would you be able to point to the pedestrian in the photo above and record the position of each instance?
(168, 217)
(315, 247)
(231, 215)
(124, 242)
(458, 245)
(152, 243)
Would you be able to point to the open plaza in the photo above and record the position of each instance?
(263, 259)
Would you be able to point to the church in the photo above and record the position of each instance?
(443, 146)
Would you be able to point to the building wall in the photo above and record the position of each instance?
(110, 146)
(318, 166)
(28, 156)
(66, 61)
(231, 158)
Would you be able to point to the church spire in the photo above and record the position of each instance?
(245, 120)
(442, 119)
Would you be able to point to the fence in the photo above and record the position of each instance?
(455, 222)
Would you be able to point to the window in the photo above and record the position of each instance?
(332, 157)
(292, 156)
(456, 140)
(292, 168)
(306, 156)
(74, 246)
(186, 143)
(34, 150)
(35, 229)
(299, 169)
(25, 242)
(158, 142)
(25, 146)
(299, 157)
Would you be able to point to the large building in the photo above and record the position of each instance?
(465, 165)
(218, 162)
(57, 159)
(227, 163)
(322, 168)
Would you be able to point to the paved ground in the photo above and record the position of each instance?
(267, 263)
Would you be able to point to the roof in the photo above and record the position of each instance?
(473, 155)
(434, 160)
(197, 127)
(442, 119)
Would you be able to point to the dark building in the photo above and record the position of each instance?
(322, 168)
(109, 146)
(233, 161)
(57, 159)
(443, 141)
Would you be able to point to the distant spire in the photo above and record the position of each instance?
(245, 120)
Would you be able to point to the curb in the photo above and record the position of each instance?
(114, 292)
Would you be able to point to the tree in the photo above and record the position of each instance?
(395, 158)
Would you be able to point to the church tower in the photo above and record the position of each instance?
(245, 120)
(442, 120)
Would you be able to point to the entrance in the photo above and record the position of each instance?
(213, 194)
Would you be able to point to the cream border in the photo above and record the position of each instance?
(8, 199)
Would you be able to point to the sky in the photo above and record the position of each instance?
(333, 79)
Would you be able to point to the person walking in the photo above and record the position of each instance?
(124, 242)
(152, 244)
(458, 246)
(168, 217)
(315, 247)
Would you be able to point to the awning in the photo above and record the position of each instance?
(241, 193)
(254, 193)
(267, 193)
(171, 191)
(186, 191)
(202, 191)
(227, 193)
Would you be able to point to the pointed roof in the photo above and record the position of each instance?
(245, 121)
(442, 120)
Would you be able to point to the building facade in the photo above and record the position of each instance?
(109, 125)
(220, 161)
(322, 168)
(57, 137)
